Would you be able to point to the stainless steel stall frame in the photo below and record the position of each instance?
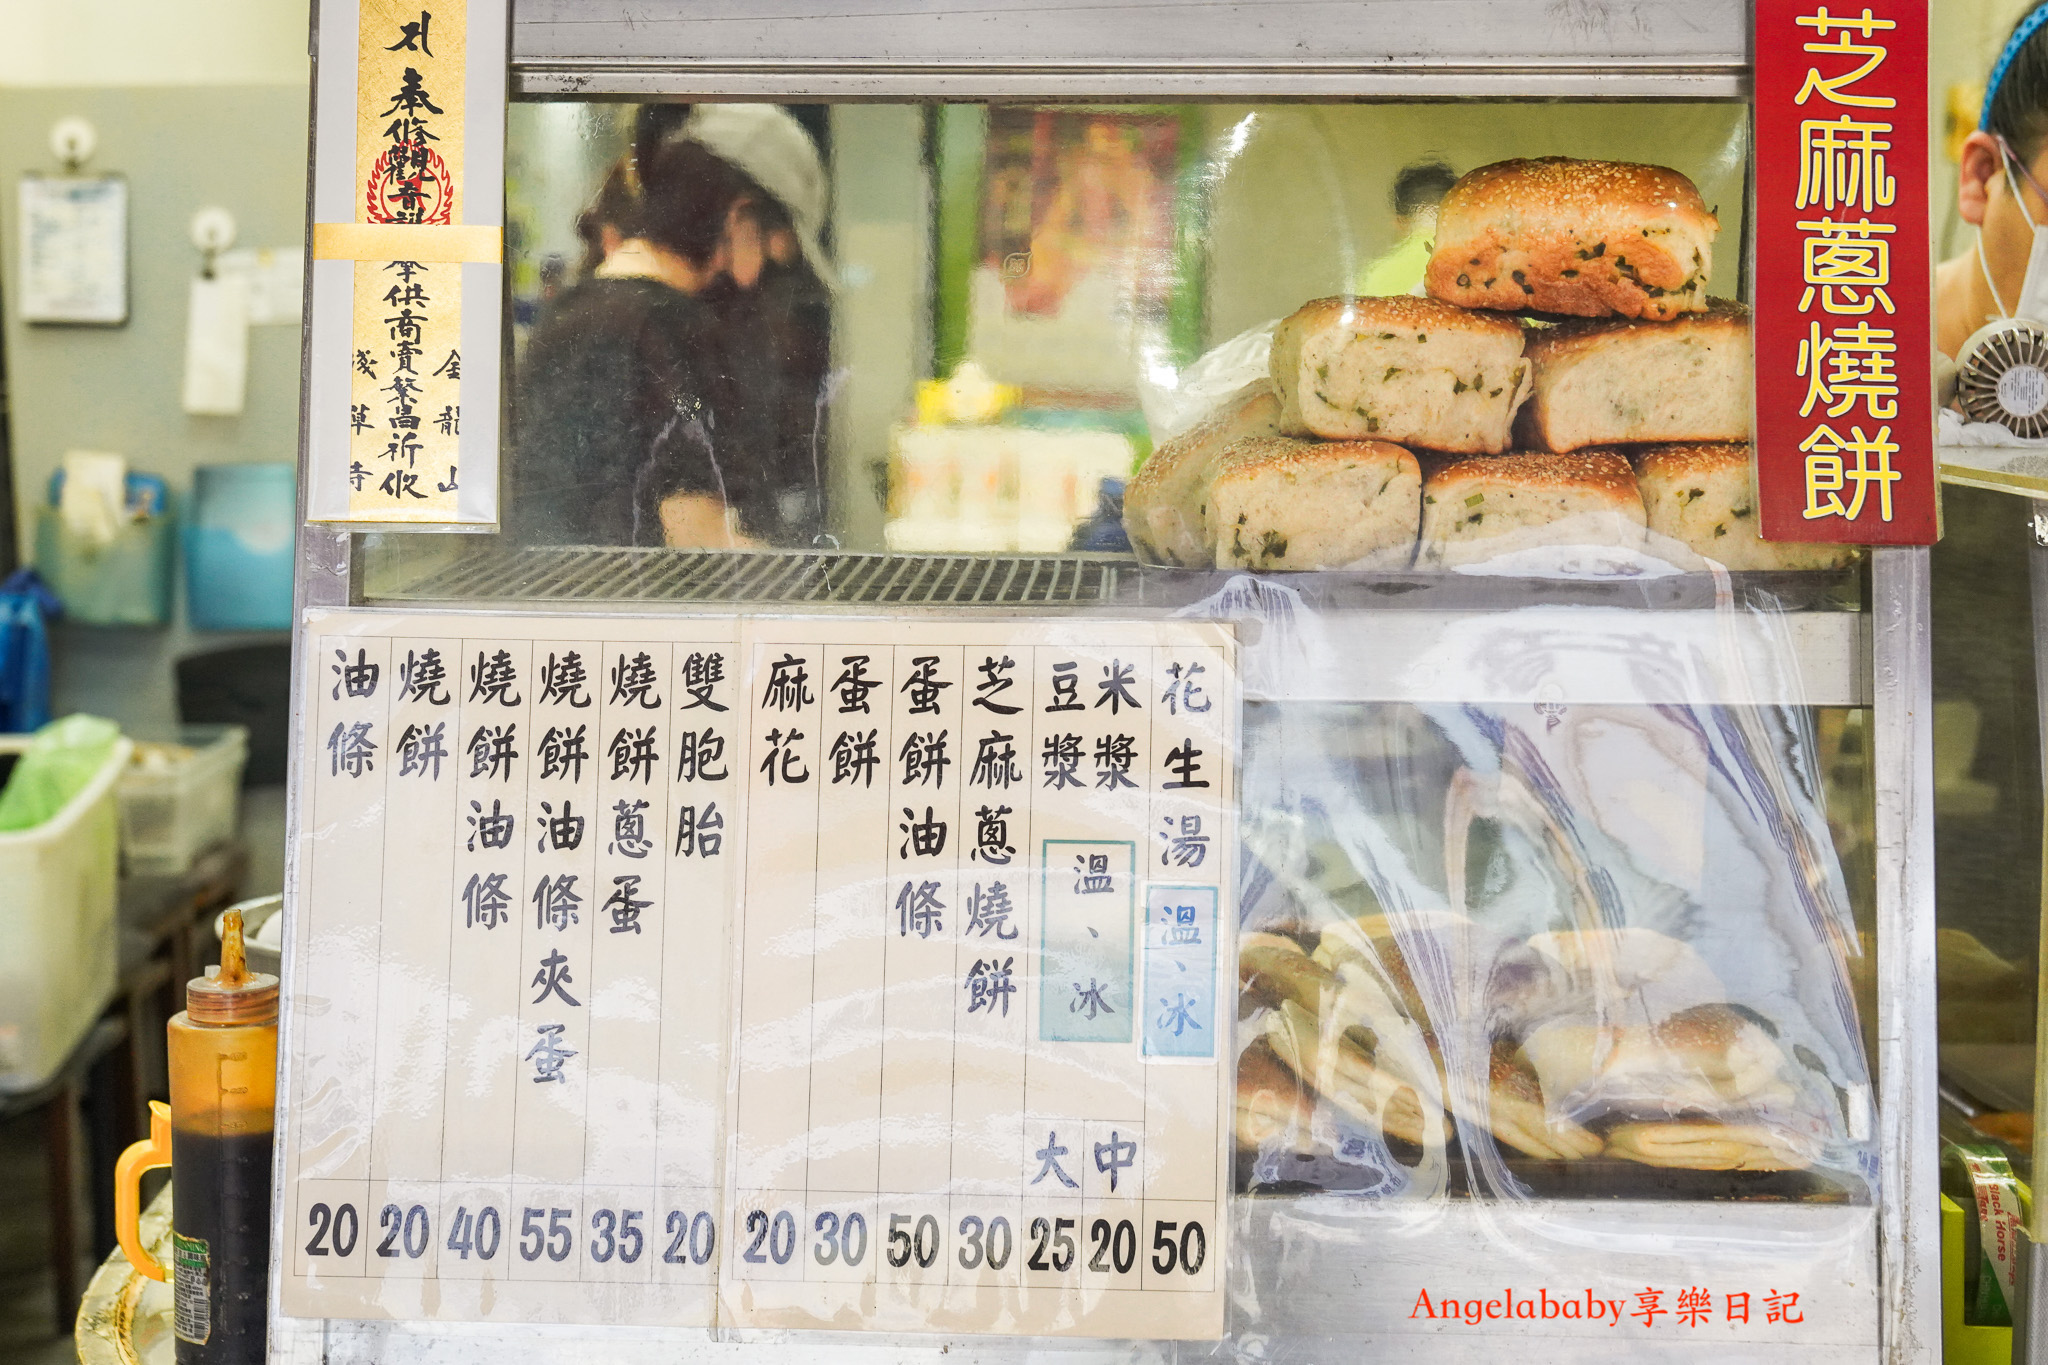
(1068, 49)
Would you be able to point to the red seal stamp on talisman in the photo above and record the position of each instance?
(409, 184)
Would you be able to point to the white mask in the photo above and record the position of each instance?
(2032, 302)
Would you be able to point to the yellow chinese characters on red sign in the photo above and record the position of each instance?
(1842, 195)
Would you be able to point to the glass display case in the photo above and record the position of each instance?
(1987, 816)
(1583, 842)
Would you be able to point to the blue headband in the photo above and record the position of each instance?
(2028, 27)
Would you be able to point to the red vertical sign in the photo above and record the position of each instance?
(1844, 320)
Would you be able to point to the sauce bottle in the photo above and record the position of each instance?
(223, 1064)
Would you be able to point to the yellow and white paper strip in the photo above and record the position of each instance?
(403, 386)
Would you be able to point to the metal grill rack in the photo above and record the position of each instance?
(710, 578)
(581, 574)
(1380, 637)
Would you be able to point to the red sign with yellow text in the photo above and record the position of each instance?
(1843, 320)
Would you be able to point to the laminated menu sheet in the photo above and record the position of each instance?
(763, 972)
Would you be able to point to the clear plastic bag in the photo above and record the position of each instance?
(60, 761)
(1558, 950)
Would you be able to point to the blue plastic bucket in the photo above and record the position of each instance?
(238, 546)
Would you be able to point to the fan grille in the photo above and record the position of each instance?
(2005, 380)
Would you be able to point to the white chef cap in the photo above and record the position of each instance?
(773, 149)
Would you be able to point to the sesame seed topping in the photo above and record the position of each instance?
(1600, 468)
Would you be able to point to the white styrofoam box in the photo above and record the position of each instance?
(58, 885)
(1098, 455)
(170, 815)
(947, 536)
(983, 455)
(924, 474)
(992, 488)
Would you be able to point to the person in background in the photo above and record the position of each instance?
(1999, 191)
(613, 218)
(617, 433)
(775, 340)
(1418, 189)
(614, 215)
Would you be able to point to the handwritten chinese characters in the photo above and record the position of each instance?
(980, 1055)
(953, 838)
(405, 365)
(518, 902)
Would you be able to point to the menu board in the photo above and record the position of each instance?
(763, 973)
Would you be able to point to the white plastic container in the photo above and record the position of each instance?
(57, 894)
(924, 474)
(171, 813)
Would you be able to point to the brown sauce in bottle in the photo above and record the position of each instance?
(223, 1054)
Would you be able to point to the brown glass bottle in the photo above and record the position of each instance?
(223, 1062)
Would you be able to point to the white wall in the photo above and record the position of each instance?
(882, 315)
(152, 42)
(169, 84)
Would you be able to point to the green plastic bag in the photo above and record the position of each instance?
(60, 761)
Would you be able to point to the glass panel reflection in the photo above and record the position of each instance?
(955, 328)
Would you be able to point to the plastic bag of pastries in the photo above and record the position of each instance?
(1476, 511)
(1703, 497)
(1402, 369)
(1165, 504)
(1619, 381)
(1277, 503)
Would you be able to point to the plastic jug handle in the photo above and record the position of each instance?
(151, 1152)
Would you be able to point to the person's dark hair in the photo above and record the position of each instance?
(616, 206)
(652, 124)
(686, 194)
(1421, 185)
(2018, 108)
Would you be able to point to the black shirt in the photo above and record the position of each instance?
(774, 354)
(614, 410)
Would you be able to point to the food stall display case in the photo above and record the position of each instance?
(1578, 895)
